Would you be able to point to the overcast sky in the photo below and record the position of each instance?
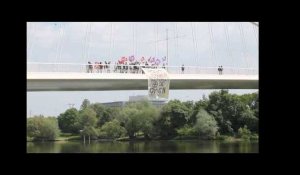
(198, 43)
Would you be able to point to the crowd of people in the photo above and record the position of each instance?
(126, 65)
(131, 65)
(98, 67)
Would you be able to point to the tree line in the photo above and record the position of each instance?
(219, 114)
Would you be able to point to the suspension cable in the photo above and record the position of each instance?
(193, 36)
(88, 40)
(176, 44)
(133, 38)
(111, 41)
(243, 44)
(228, 45)
(255, 33)
(156, 43)
(61, 41)
(84, 44)
(58, 42)
(212, 43)
(110, 48)
(136, 40)
(32, 37)
(197, 51)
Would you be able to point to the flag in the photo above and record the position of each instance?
(152, 60)
(157, 62)
(131, 58)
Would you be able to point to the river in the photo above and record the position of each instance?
(174, 146)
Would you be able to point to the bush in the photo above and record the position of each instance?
(40, 128)
(112, 130)
(206, 126)
(244, 133)
(254, 137)
(186, 131)
(90, 131)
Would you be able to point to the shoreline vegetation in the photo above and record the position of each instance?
(141, 138)
(221, 116)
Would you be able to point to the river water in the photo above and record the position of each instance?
(174, 146)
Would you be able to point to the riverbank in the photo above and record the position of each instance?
(70, 137)
(62, 137)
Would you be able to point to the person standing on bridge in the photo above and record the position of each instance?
(221, 69)
(89, 67)
(182, 69)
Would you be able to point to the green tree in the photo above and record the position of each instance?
(112, 129)
(189, 104)
(130, 118)
(40, 128)
(104, 114)
(186, 131)
(68, 121)
(201, 104)
(206, 125)
(174, 115)
(244, 133)
(228, 109)
(248, 118)
(149, 115)
(87, 117)
(138, 117)
(89, 131)
(85, 104)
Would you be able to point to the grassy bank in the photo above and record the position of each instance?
(61, 137)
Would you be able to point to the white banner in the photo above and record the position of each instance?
(158, 82)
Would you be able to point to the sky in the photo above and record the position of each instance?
(231, 44)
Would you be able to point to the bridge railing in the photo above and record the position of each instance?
(132, 69)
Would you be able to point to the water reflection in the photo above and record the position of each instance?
(143, 147)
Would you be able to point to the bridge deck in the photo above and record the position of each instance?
(42, 81)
